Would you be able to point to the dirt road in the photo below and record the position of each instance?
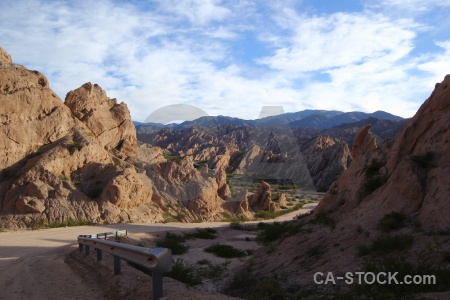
(32, 262)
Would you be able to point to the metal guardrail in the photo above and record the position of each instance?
(158, 260)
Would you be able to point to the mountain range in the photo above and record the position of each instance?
(322, 119)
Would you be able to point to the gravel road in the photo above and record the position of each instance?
(32, 262)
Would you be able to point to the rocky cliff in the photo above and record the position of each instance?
(55, 160)
(387, 212)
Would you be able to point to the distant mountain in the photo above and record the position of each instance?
(325, 122)
(322, 119)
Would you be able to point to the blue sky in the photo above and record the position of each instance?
(233, 57)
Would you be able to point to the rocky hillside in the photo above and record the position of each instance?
(302, 156)
(78, 161)
(388, 212)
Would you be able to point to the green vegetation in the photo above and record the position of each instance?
(228, 217)
(275, 231)
(174, 242)
(315, 250)
(195, 274)
(32, 154)
(173, 157)
(424, 160)
(402, 267)
(239, 226)
(265, 215)
(202, 233)
(44, 223)
(324, 219)
(225, 251)
(386, 244)
(246, 285)
(391, 221)
(373, 178)
(75, 145)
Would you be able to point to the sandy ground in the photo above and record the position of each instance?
(32, 263)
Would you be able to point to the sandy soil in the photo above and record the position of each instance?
(33, 263)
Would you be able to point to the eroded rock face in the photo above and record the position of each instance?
(31, 113)
(109, 121)
(5, 58)
(262, 199)
(407, 175)
(54, 167)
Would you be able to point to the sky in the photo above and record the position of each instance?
(234, 57)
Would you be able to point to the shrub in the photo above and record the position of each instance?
(424, 160)
(324, 219)
(174, 242)
(391, 221)
(315, 250)
(388, 244)
(363, 250)
(184, 273)
(397, 291)
(277, 230)
(202, 233)
(373, 179)
(75, 145)
(373, 168)
(239, 226)
(246, 285)
(225, 251)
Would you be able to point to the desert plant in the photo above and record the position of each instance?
(391, 221)
(202, 233)
(324, 219)
(277, 230)
(315, 250)
(225, 251)
(75, 145)
(424, 160)
(387, 244)
(174, 242)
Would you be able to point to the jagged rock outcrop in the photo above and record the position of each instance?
(409, 175)
(282, 201)
(5, 58)
(262, 198)
(54, 167)
(238, 204)
(31, 113)
(186, 190)
(326, 159)
(109, 121)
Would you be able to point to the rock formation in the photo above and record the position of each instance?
(262, 199)
(109, 122)
(54, 165)
(409, 175)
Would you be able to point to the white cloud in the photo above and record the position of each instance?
(183, 52)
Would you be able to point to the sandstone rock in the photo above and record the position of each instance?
(364, 142)
(54, 167)
(26, 205)
(5, 58)
(28, 106)
(262, 198)
(282, 200)
(238, 204)
(110, 122)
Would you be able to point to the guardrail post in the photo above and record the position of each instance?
(88, 249)
(80, 246)
(99, 254)
(117, 266)
(157, 279)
